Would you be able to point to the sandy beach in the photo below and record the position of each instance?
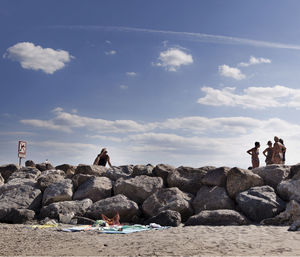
(18, 240)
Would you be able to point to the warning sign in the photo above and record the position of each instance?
(22, 149)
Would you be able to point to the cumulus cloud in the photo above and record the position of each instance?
(131, 74)
(35, 57)
(231, 72)
(173, 58)
(253, 60)
(252, 97)
(111, 52)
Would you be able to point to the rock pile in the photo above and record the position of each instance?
(147, 193)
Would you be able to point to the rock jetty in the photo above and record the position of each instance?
(144, 194)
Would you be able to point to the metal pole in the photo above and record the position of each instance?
(20, 158)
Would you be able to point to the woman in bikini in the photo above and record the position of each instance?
(278, 149)
(268, 152)
(254, 152)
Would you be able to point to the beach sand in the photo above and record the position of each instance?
(198, 240)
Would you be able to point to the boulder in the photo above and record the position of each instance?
(126, 208)
(166, 218)
(53, 210)
(212, 198)
(217, 218)
(26, 172)
(273, 174)
(94, 170)
(7, 170)
(168, 199)
(138, 189)
(68, 169)
(128, 169)
(96, 188)
(187, 179)
(79, 179)
(163, 171)
(115, 173)
(1, 180)
(216, 177)
(44, 166)
(239, 180)
(285, 218)
(29, 163)
(18, 194)
(139, 170)
(260, 203)
(49, 177)
(295, 171)
(18, 216)
(58, 192)
(289, 190)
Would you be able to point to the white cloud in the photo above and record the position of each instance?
(111, 52)
(124, 87)
(131, 74)
(108, 42)
(253, 60)
(173, 58)
(252, 97)
(231, 72)
(35, 57)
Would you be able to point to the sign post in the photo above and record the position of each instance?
(21, 151)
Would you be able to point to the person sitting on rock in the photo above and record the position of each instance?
(102, 158)
(278, 149)
(254, 152)
(268, 152)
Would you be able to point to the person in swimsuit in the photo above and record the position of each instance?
(102, 158)
(278, 149)
(283, 151)
(254, 152)
(268, 152)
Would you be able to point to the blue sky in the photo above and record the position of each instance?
(179, 82)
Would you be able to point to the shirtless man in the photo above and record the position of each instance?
(278, 149)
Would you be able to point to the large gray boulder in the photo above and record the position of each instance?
(287, 217)
(49, 177)
(138, 189)
(94, 170)
(273, 174)
(29, 163)
(126, 208)
(79, 179)
(78, 208)
(17, 216)
(26, 172)
(139, 170)
(115, 173)
(289, 190)
(7, 170)
(44, 166)
(216, 177)
(166, 218)
(163, 171)
(58, 192)
(96, 188)
(68, 169)
(260, 203)
(19, 194)
(239, 180)
(212, 198)
(168, 199)
(187, 179)
(217, 218)
(295, 171)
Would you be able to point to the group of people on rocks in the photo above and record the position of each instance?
(274, 153)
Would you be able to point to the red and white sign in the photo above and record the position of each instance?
(22, 149)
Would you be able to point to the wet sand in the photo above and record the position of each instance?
(21, 240)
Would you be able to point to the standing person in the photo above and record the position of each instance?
(254, 152)
(283, 151)
(268, 152)
(278, 149)
(102, 158)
